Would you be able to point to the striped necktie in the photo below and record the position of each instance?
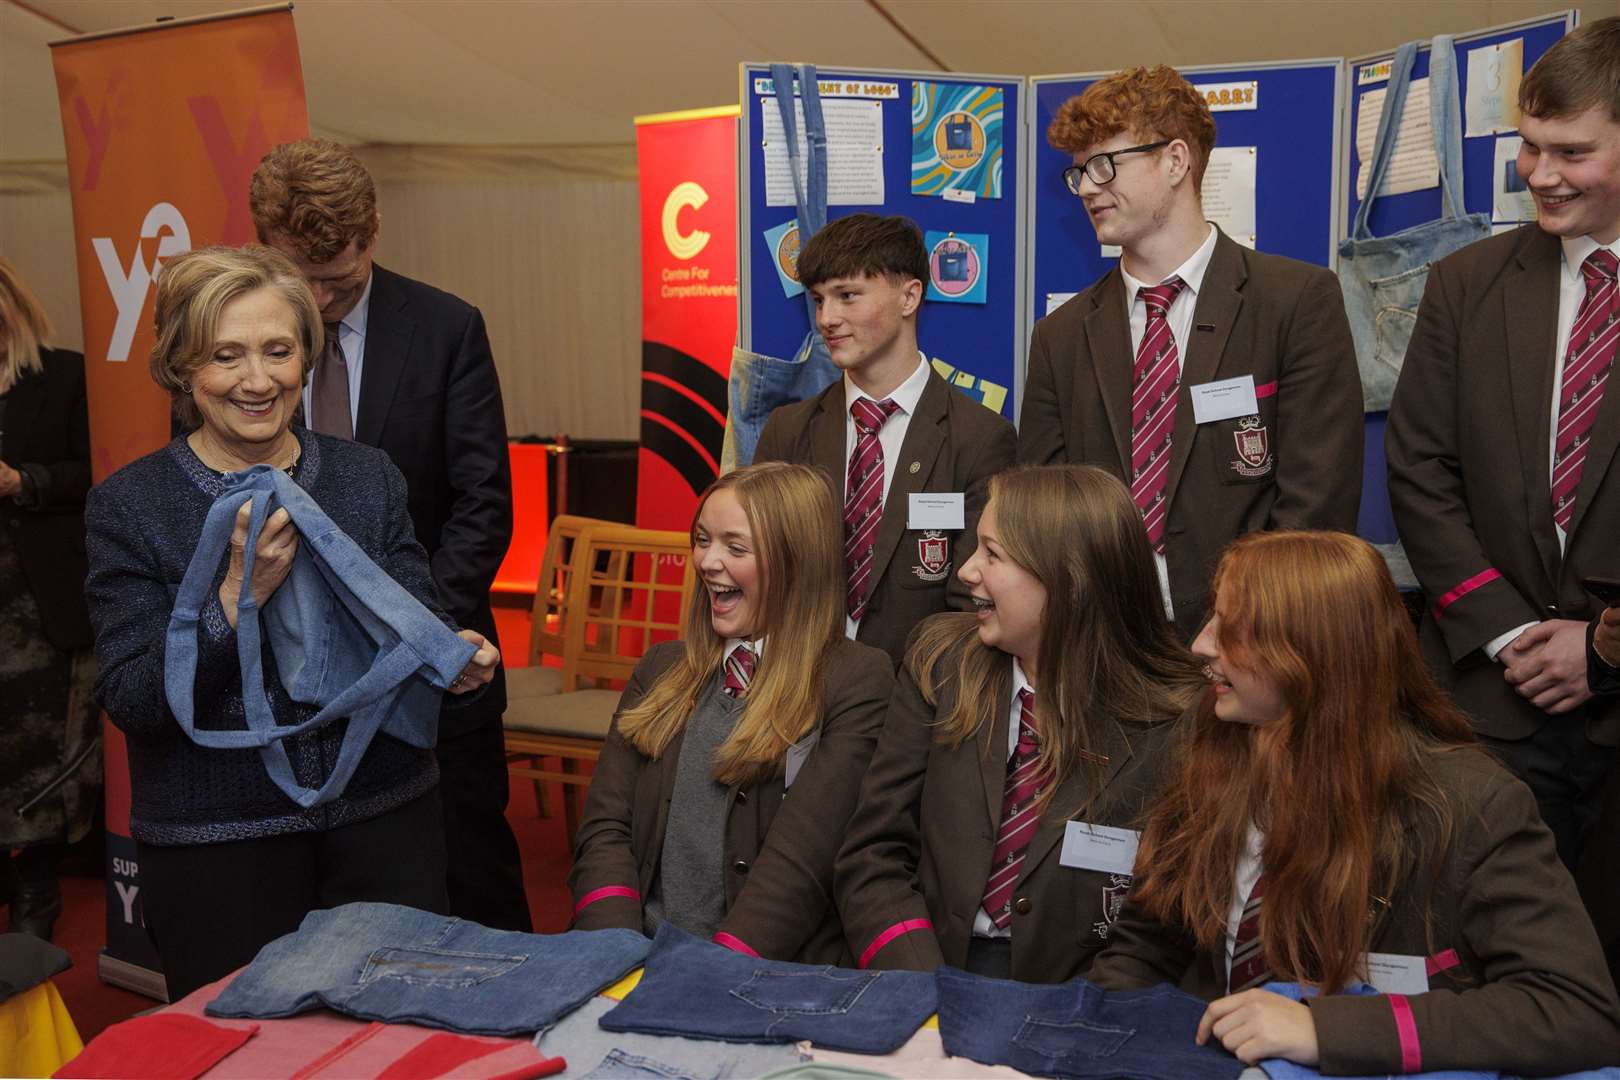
(1019, 815)
(1586, 370)
(1248, 954)
(1154, 382)
(863, 501)
(739, 671)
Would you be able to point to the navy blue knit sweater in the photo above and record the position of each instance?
(143, 524)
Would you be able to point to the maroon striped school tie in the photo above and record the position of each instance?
(1154, 381)
(1019, 815)
(1586, 371)
(739, 671)
(863, 500)
(1248, 955)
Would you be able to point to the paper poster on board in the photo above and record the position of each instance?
(1510, 195)
(854, 151)
(783, 244)
(1492, 101)
(956, 139)
(957, 265)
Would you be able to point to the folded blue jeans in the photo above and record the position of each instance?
(702, 990)
(1076, 1029)
(397, 964)
(597, 1054)
(347, 639)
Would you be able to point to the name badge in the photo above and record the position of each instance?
(1392, 973)
(936, 510)
(1099, 847)
(1223, 400)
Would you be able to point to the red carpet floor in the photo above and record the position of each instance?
(82, 928)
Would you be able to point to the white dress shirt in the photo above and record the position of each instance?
(352, 340)
(1180, 319)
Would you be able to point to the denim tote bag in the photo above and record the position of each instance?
(702, 990)
(348, 639)
(760, 383)
(1383, 277)
(1076, 1029)
(400, 965)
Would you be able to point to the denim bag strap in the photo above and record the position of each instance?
(1447, 132)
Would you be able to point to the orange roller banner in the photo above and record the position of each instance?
(164, 126)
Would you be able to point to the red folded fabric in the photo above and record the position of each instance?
(439, 1054)
(163, 1046)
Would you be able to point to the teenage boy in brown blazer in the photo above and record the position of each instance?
(1501, 446)
(867, 275)
(1118, 375)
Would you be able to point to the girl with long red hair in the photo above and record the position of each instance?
(1330, 821)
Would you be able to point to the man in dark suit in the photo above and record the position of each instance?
(1218, 383)
(1501, 446)
(889, 430)
(408, 368)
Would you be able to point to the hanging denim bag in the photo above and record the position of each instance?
(1383, 277)
(347, 639)
(958, 132)
(760, 383)
(953, 262)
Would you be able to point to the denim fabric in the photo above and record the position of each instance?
(760, 383)
(1383, 277)
(1076, 1029)
(347, 638)
(397, 964)
(699, 989)
(588, 1049)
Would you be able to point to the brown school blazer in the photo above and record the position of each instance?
(1517, 981)
(912, 872)
(1468, 446)
(1279, 320)
(779, 846)
(952, 444)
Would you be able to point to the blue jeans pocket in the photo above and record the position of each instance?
(436, 967)
(1395, 302)
(618, 1065)
(1060, 1039)
(825, 992)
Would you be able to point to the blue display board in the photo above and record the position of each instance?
(1295, 128)
(979, 346)
(1392, 213)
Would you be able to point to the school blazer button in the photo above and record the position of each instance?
(741, 866)
(742, 798)
(1022, 905)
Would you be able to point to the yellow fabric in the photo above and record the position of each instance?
(619, 989)
(37, 1035)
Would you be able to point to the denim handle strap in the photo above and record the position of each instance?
(810, 197)
(1445, 118)
(1389, 121)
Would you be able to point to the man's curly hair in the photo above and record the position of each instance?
(1152, 102)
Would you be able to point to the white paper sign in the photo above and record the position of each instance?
(961, 195)
(1392, 973)
(837, 88)
(1494, 72)
(935, 510)
(1229, 96)
(1110, 251)
(1099, 847)
(1229, 191)
(1510, 195)
(1055, 300)
(854, 151)
(1413, 166)
(1223, 400)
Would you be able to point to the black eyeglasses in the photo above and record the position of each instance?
(1100, 167)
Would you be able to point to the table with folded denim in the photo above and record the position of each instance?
(696, 988)
(1075, 1029)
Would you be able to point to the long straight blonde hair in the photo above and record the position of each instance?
(797, 540)
(1107, 654)
(23, 327)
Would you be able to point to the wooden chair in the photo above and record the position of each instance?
(627, 590)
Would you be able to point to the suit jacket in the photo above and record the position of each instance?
(779, 845)
(47, 438)
(952, 443)
(1517, 981)
(1468, 447)
(1276, 319)
(919, 849)
(431, 399)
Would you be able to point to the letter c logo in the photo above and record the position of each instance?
(685, 194)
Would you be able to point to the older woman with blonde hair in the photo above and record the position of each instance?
(50, 761)
(229, 860)
(732, 767)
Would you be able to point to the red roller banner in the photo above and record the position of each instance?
(164, 126)
(688, 179)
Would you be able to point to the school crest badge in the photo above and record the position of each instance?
(933, 557)
(1114, 893)
(1253, 448)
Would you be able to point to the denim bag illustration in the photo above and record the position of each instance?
(1383, 277)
